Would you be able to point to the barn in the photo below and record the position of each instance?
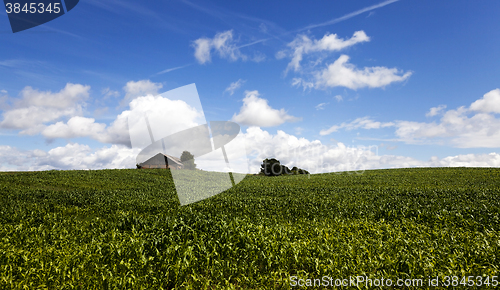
(161, 160)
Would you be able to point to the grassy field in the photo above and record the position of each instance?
(125, 229)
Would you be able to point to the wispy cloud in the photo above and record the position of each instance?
(364, 123)
(135, 8)
(321, 106)
(303, 45)
(283, 33)
(234, 86)
(235, 20)
(255, 42)
(348, 16)
(64, 32)
(172, 69)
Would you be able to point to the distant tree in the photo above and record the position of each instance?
(296, 171)
(272, 167)
(188, 160)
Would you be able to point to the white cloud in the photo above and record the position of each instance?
(234, 86)
(489, 103)
(67, 97)
(435, 110)
(116, 133)
(468, 160)
(340, 73)
(202, 50)
(290, 150)
(71, 156)
(257, 112)
(475, 126)
(364, 123)
(175, 113)
(35, 118)
(339, 98)
(36, 108)
(222, 43)
(321, 106)
(138, 89)
(75, 127)
(317, 157)
(408, 131)
(302, 45)
(343, 74)
(472, 127)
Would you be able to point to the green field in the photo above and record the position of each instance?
(125, 229)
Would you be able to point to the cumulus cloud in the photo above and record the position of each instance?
(302, 45)
(36, 108)
(364, 123)
(257, 112)
(36, 116)
(67, 97)
(457, 128)
(311, 155)
(75, 127)
(138, 89)
(234, 86)
(116, 133)
(317, 157)
(343, 74)
(475, 126)
(489, 103)
(464, 127)
(340, 73)
(222, 43)
(467, 160)
(71, 156)
(175, 113)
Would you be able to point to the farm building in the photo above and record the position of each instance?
(161, 160)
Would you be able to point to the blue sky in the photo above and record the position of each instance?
(417, 80)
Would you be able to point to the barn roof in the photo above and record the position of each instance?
(177, 160)
(170, 158)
